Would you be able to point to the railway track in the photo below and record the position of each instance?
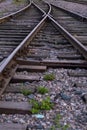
(44, 49)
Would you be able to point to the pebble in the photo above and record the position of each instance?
(15, 120)
(39, 116)
(84, 97)
(8, 98)
(65, 97)
(22, 121)
(78, 92)
(31, 96)
(39, 126)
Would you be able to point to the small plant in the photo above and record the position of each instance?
(49, 77)
(35, 104)
(58, 125)
(46, 104)
(65, 127)
(34, 111)
(26, 92)
(43, 105)
(42, 90)
(53, 128)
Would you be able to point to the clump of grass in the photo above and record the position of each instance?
(35, 111)
(42, 90)
(49, 77)
(46, 104)
(43, 105)
(35, 106)
(26, 92)
(58, 125)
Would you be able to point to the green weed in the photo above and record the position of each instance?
(26, 92)
(42, 90)
(45, 104)
(49, 77)
(58, 125)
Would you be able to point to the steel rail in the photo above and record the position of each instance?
(7, 61)
(78, 45)
(5, 18)
(44, 13)
(43, 10)
(77, 15)
(49, 7)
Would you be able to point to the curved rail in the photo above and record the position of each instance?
(42, 9)
(49, 7)
(43, 5)
(3, 19)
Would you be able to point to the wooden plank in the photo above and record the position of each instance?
(55, 63)
(7, 80)
(31, 68)
(39, 56)
(77, 74)
(60, 46)
(18, 89)
(65, 63)
(24, 78)
(27, 62)
(70, 56)
(15, 107)
(80, 85)
(12, 126)
(36, 44)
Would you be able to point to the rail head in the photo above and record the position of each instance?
(15, 13)
(77, 15)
